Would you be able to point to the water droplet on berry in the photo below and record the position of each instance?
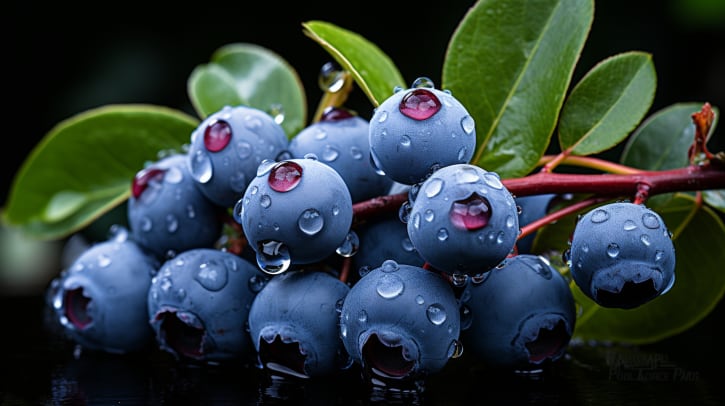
(429, 215)
(362, 316)
(146, 224)
(433, 187)
(217, 135)
(436, 314)
(265, 201)
(405, 141)
(382, 116)
(659, 255)
(201, 167)
(492, 179)
(244, 149)
(104, 261)
(389, 286)
(472, 213)
(285, 176)
(265, 166)
(468, 125)
(375, 163)
(650, 221)
(599, 216)
(310, 222)
(462, 154)
(629, 225)
(645, 239)
(331, 78)
(419, 104)
(350, 245)
(612, 250)
(407, 245)
(145, 178)
(456, 349)
(423, 82)
(404, 211)
(442, 234)
(467, 174)
(356, 153)
(273, 257)
(329, 154)
(172, 223)
(211, 275)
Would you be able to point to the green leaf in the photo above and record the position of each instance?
(699, 283)
(250, 75)
(715, 198)
(608, 103)
(84, 166)
(373, 70)
(663, 139)
(510, 63)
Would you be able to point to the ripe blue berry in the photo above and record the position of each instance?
(293, 323)
(532, 208)
(383, 239)
(400, 322)
(167, 212)
(463, 220)
(340, 139)
(296, 211)
(522, 315)
(415, 131)
(100, 299)
(227, 147)
(622, 255)
(198, 304)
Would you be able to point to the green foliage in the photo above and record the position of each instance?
(510, 62)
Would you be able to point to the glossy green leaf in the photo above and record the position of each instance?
(510, 63)
(663, 139)
(715, 198)
(699, 284)
(251, 75)
(608, 103)
(373, 70)
(85, 165)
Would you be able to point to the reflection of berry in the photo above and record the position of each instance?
(340, 139)
(400, 322)
(522, 314)
(167, 212)
(622, 255)
(297, 211)
(463, 220)
(227, 147)
(198, 305)
(415, 131)
(293, 324)
(101, 297)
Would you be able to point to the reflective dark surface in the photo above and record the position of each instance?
(40, 367)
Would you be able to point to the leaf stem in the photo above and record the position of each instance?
(556, 215)
(590, 162)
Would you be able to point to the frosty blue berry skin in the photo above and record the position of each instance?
(463, 220)
(198, 304)
(340, 139)
(522, 315)
(417, 130)
(293, 323)
(401, 322)
(622, 255)
(382, 239)
(297, 211)
(167, 212)
(100, 299)
(227, 147)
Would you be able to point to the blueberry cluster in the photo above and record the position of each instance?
(245, 249)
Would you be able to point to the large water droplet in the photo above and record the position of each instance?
(436, 314)
(217, 135)
(433, 187)
(405, 141)
(201, 167)
(492, 179)
(389, 265)
(211, 275)
(599, 216)
(331, 78)
(265, 166)
(285, 176)
(629, 225)
(273, 256)
(472, 213)
(468, 125)
(467, 174)
(423, 82)
(650, 221)
(613, 250)
(375, 163)
(419, 104)
(389, 286)
(311, 222)
(349, 246)
(442, 234)
(265, 201)
(330, 154)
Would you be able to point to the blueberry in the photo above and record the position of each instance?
(227, 147)
(296, 211)
(100, 299)
(340, 139)
(622, 255)
(532, 208)
(463, 220)
(522, 315)
(198, 304)
(417, 130)
(400, 322)
(382, 239)
(293, 323)
(167, 212)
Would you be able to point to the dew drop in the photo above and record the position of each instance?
(467, 174)
(382, 116)
(629, 225)
(659, 255)
(362, 316)
(645, 239)
(375, 163)
(419, 104)
(146, 224)
(419, 300)
(436, 314)
(389, 286)
(492, 179)
(285, 176)
(265, 201)
(276, 111)
(405, 141)
(211, 276)
(238, 212)
(472, 213)
(433, 187)
(404, 211)
(389, 265)
(273, 257)
(217, 135)
(650, 221)
(330, 154)
(429, 215)
(310, 222)
(423, 82)
(172, 223)
(456, 349)
(350, 245)
(612, 250)
(407, 245)
(256, 283)
(265, 166)
(442, 234)
(104, 261)
(468, 125)
(599, 216)
(462, 154)
(356, 153)
(416, 220)
(331, 78)
(201, 167)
